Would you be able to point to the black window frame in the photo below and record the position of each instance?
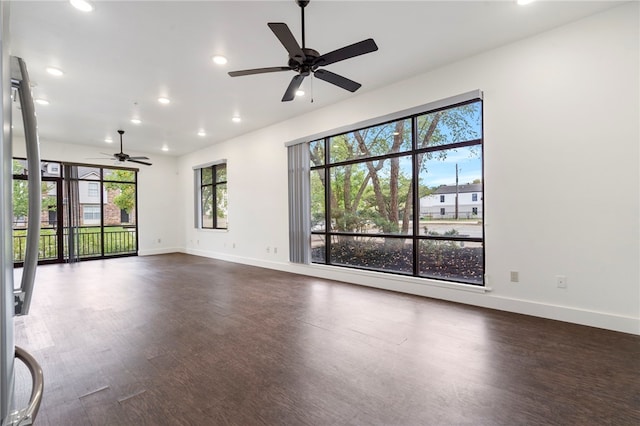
(214, 185)
(325, 234)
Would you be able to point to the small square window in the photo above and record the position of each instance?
(442, 198)
(474, 197)
(442, 211)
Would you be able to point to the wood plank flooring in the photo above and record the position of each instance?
(184, 340)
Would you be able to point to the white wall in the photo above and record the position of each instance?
(561, 128)
(158, 213)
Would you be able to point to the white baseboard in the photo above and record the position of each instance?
(166, 250)
(470, 295)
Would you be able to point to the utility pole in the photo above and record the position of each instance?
(456, 191)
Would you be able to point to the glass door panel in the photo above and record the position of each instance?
(50, 242)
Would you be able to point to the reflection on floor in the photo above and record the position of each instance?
(184, 340)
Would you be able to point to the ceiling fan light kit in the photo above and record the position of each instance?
(306, 61)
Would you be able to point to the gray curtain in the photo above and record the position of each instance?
(71, 212)
(299, 203)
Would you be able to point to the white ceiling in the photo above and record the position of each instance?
(119, 58)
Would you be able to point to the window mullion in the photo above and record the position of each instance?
(415, 176)
(327, 203)
(214, 196)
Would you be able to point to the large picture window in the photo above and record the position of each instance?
(403, 196)
(212, 192)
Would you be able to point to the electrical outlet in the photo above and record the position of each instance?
(515, 277)
(234, 245)
(268, 250)
(561, 281)
(275, 250)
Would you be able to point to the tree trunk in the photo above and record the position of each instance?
(373, 172)
(406, 217)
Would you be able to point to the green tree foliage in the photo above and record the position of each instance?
(126, 197)
(377, 194)
(21, 196)
(207, 193)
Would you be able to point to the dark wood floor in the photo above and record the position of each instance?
(184, 340)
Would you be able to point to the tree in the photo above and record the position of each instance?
(20, 197)
(380, 191)
(126, 197)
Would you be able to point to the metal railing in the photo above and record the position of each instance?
(88, 242)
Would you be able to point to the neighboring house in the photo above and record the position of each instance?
(441, 204)
(90, 209)
(89, 200)
(89, 197)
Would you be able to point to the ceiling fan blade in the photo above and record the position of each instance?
(296, 81)
(258, 71)
(282, 31)
(138, 158)
(139, 162)
(353, 50)
(338, 80)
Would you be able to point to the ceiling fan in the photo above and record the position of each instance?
(305, 61)
(122, 157)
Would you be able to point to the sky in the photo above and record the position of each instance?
(443, 172)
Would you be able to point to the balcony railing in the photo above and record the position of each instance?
(88, 241)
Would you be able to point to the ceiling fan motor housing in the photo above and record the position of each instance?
(307, 66)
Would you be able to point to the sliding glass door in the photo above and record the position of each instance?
(88, 212)
(101, 215)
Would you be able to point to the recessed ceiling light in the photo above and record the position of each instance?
(82, 5)
(202, 133)
(164, 101)
(108, 140)
(236, 119)
(55, 71)
(136, 121)
(42, 102)
(524, 2)
(220, 60)
(165, 148)
(299, 92)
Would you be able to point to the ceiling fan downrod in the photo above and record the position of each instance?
(302, 4)
(121, 132)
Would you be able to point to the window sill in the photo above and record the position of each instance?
(215, 231)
